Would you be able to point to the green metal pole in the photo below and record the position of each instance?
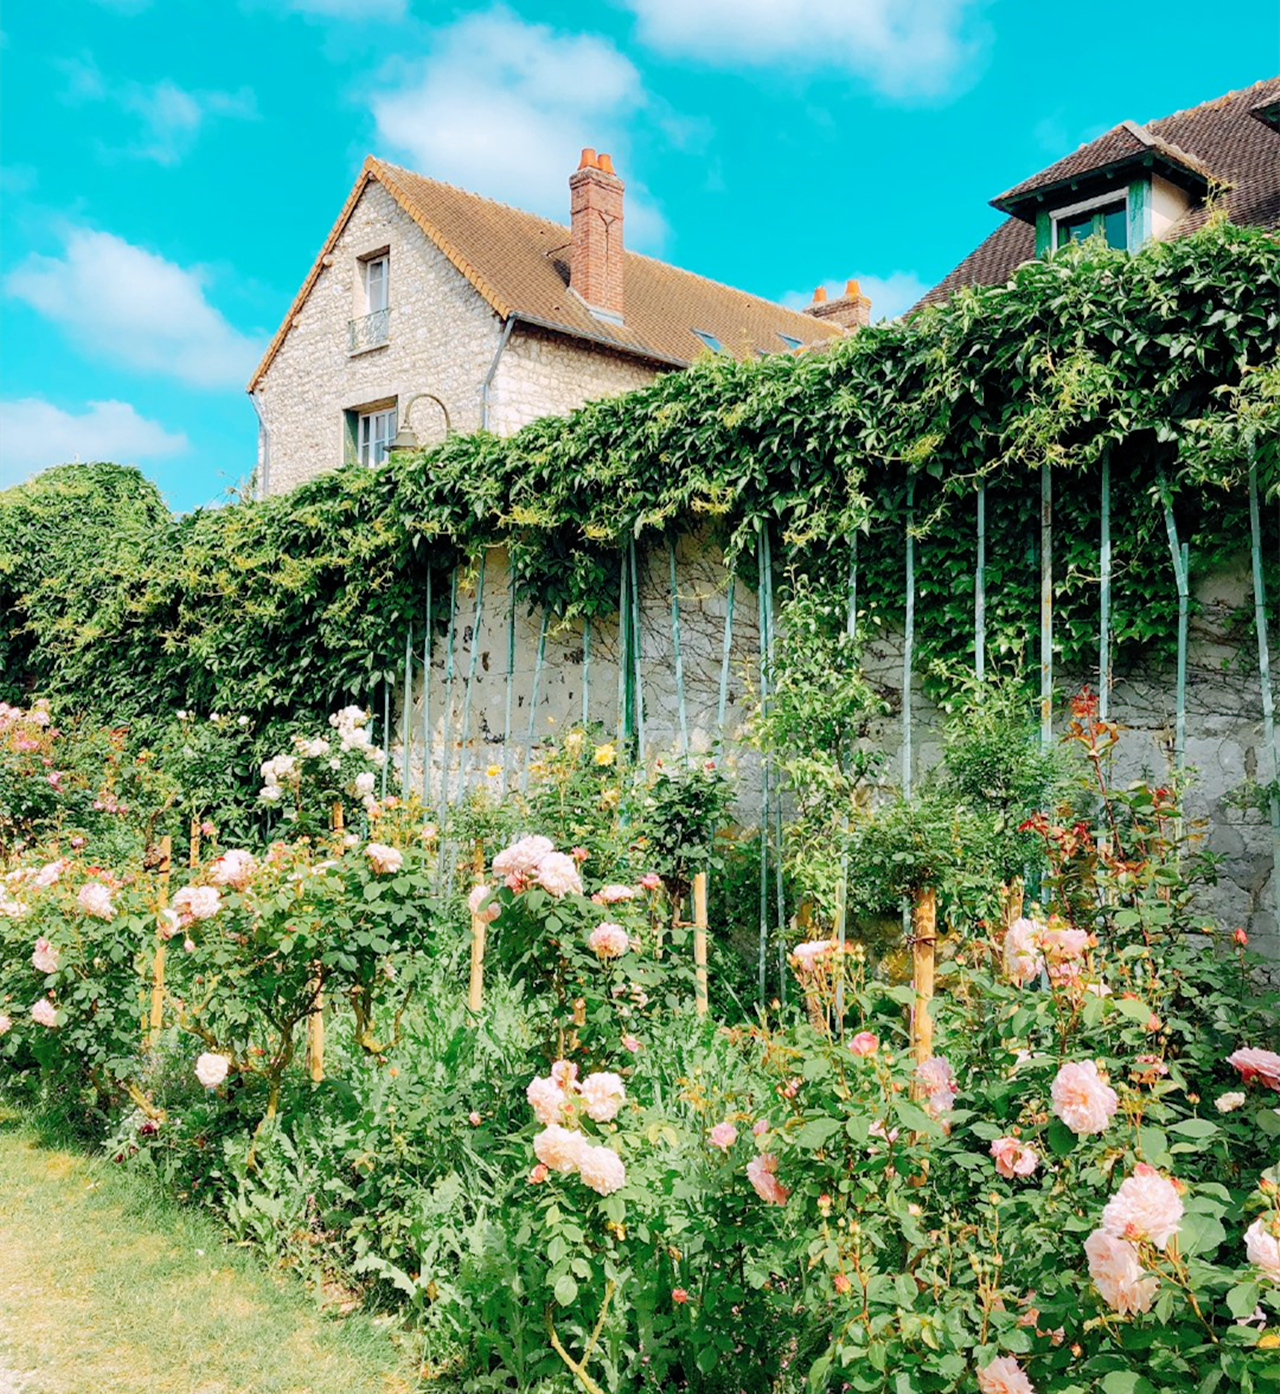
(533, 700)
(779, 898)
(511, 681)
(764, 776)
(586, 671)
(980, 591)
(637, 644)
(675, 644)
(1104, 598)
(909, 640)
(624, 655)
(428, 630)
(1046, 607)
(464, 757)
(446, 753)
(408, 710)
(386, 734)
(1178, 551)
(724, 658)
(851, 614)
(1264, 666)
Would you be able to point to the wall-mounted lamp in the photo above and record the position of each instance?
(406, 439)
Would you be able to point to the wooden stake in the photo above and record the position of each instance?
(315, 1022)
(157, 977)
(1013, 897)
(700, 941)
(924, 940)
(479, 933)
(193, 856)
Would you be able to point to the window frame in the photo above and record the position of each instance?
(1097, 206)
(362, 441)
(380, 258)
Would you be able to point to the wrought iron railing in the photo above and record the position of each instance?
(369, 331)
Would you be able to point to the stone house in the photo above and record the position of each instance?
(1136, 183)
(430, 309)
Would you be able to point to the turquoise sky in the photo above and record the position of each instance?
(169, 168)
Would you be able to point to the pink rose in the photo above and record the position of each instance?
(559, 1148)
(805, 958)
(538, 1174)
(631, 1043)
(650, 881)
(557, 874)
(938, 1082)
(1022, 957)
(44, 1013)
(517, 863)
(1257, 1064)
(608, 941)
(547, 1100)
(723, 1136)
(197, 903)
(476, 903)
(603, 1095)
(1004, 1376)
(234, 868)
(1013, 1157)
(212, 1069)
(1084, 1101)
(44, 958)
(1262, 1248)
(601, 1168)
(565, 1073)
(474, 1119)
(611, 895)
(865, 1043)
(760, 1127)
(1113, 1265)
(94, 899)
(679, 1296)
(760, 1172)
(384, 860)
(1147, 1206)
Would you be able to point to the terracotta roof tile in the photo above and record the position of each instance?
(1221, 138)
(518, 262)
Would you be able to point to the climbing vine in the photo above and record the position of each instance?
(1166, 362)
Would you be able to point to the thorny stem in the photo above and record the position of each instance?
(579, 1367)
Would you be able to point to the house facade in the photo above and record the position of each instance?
(430, 309)
(1137, 183)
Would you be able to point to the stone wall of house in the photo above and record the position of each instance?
(442, 339)
(543, 374)
(1224, 720)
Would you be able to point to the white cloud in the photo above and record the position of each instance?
(890, 295)
(349, 9)
(905, 48)
(35, 434)
(170, 117)
(504, 108)
(129, 305)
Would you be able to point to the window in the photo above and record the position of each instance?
(1108, 218)
(375, 430)
(709, 340)
(791, 341)
(376, 272)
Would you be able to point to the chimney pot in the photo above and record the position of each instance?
(596, 247)
(852, 290)
(819, 295)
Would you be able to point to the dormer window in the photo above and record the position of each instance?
(709, 340)
(791, 341)
(1107, 218)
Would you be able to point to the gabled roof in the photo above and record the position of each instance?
(518, 263)
(1226, 142)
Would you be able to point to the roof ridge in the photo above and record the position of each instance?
(1219, 100)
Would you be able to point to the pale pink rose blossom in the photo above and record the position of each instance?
(476, 904)
(234, 868)
(1063, 945)
(474, 1119)
(94, 899)
(211, 1069)
(1013, 1157)
(865, 1043)
(1084, 1101)
(6, 1023)
(601, 1168)
(519, 861)
(608, 941)
(538, 1174)
(1228, 1103)
(167, 923)
(760, 1127)
(631, 1043)
(611, 895)
(1262, 1249)
(559, 1148)
(938, 1081)
(1113, 1265)
(386, 861)
(1004, 1376)
(723, 1136)
(565, 1073)
(1022, 958)
(547, 1100)
(760, 1172)
(44, 1013)
(806, 957)
(603, 1094)
(1147, 1206)
(197, 903)
(1257, 1064)
(650, 881)
(557, 874)
(44, 959)
(49, 873)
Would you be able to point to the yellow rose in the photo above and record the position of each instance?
(605, 754)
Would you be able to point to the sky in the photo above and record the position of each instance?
(170, 168)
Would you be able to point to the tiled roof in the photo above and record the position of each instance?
(1221, 140)
(518, 262)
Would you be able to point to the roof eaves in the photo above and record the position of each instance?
(1156, 153)
(632, 350)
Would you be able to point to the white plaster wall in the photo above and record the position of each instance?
(442, 340)
(1168, 204)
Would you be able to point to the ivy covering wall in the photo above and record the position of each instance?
(1167, 362)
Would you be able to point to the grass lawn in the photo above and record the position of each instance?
(105, 1287)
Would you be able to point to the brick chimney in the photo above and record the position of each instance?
(595, 255)
(851, 311)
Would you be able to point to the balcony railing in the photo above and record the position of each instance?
(369, 331)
